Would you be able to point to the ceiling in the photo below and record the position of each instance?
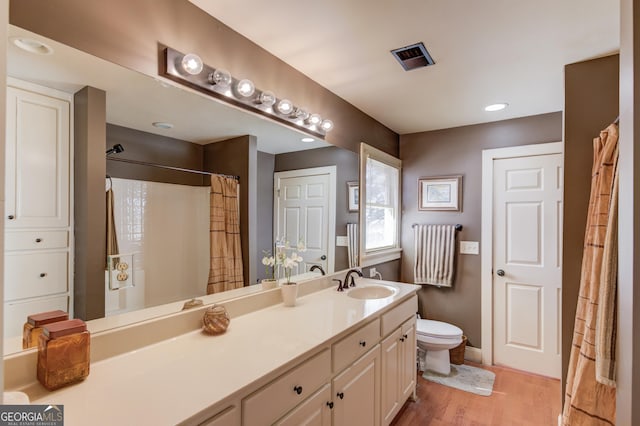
(135, 100)
(486, 52)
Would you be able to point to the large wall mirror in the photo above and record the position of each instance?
(161, 216)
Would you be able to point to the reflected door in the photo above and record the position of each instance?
(527, 272)
(304, 210)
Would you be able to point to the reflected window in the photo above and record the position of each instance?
(379, 206)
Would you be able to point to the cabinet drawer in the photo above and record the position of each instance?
(16, 313)
(29, 240)
(272, 401)
(356, 344)
(392, 319)
(32, 275)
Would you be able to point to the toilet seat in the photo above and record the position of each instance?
(438, 330)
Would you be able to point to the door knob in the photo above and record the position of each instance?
(297, 389)
(500, 272)
(340, 395)
(323, 257)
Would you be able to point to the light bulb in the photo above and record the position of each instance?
(301, 113)
(267, 98)
(192, 63)
(315, 119)
(285, 106)
(246, 88)
(326, 125)
(495, 107)
(220, 77)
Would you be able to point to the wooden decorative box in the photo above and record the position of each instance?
(63, 353)
(33, 327)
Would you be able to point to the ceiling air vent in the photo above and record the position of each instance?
(412, 57)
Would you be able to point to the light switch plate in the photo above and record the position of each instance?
(469, 247)
(342, 241)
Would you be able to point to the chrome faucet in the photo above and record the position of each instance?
(353, 282)
(314, 267)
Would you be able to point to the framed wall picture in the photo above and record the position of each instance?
(352, 196)
(442, 193)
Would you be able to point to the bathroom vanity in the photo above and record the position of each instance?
(331, 359)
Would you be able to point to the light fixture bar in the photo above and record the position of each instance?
(236, 92)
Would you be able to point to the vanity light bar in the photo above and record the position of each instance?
(189, 70)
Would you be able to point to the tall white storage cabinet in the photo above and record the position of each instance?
(38, 222)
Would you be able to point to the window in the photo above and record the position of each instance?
(379, 206)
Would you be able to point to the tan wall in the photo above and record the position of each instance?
(591, 104)
(89, 205)
(450, 152)
(128, 33)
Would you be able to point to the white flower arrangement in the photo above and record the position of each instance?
(281, 261)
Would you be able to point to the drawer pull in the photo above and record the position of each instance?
(402, 339)
(405, 336)
(43, 274)
(340, 395)
(38, 240)
(298, 389)
(363, 343)
(330, 405)
(11, 217)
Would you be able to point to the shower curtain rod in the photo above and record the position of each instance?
(178, 169)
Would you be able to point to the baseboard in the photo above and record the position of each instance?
(473, 354)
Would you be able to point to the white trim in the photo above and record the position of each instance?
(473, 354)
(313, 171)
(41, 90)
(392, 253)
(486, 236)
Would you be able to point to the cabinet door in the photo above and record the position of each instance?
(315, 411)
(356, 392)
(408, 370)
(392, 351)
(37, 163)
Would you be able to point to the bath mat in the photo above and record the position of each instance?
(466, 378)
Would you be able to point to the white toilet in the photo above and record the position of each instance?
(436, 338)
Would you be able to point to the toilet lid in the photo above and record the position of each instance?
(437, 329)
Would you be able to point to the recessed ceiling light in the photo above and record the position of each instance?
(307, 139)
(162, 125)
(495, 107)
(32, 46)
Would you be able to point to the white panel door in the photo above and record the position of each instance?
(37, 175)
(527, 272)
(304, 211)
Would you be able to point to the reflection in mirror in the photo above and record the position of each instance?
(161, 216)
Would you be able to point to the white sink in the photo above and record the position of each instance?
(376, 291)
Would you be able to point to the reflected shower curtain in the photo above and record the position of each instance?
(225, 270)
(587, 400)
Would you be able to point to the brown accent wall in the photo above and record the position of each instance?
(390, 271)
(128, 33)
(264, 212)
(89, 207)
(239, 157)
(450, 152)
(157, 149)
(591, 104)
(347, 164)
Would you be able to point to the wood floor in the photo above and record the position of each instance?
(518, 399)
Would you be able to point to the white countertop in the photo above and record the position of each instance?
(170, 381)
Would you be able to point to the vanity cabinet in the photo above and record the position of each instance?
(356, 392)
(315, 411)
(286, 392)
(38, 231)
(230, 416)
(398, 381)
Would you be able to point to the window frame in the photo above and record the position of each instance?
(377, 256)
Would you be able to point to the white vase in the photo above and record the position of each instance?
(269, 283)
(289, 294)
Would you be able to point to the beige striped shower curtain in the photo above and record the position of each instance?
(225, 270)
(592, 361)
